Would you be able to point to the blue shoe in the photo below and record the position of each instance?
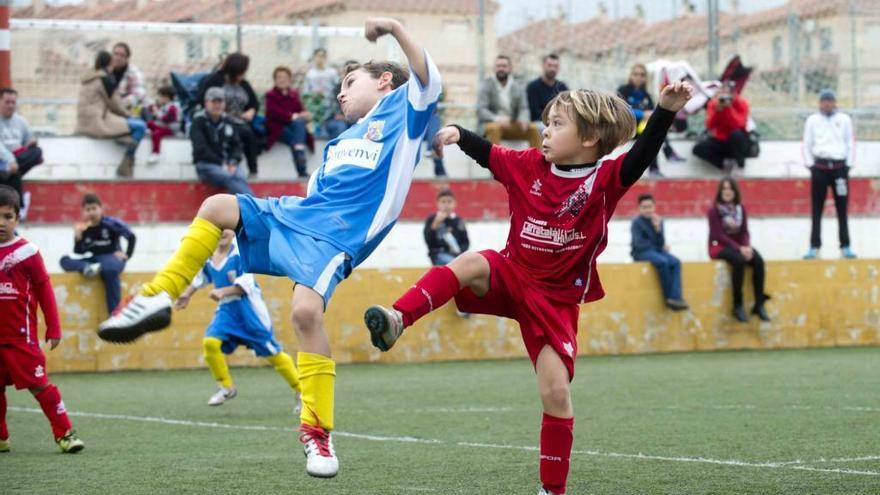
(812, 254)
(847, 253)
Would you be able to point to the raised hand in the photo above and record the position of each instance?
(675, 95)
(444, 137)
(376, 27)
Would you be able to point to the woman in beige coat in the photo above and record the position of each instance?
(99, 113)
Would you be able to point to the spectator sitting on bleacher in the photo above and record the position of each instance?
(320, 84)
(649, 244)
(165, 118)
(727, 115)
(502, 109)
(216, 146)
(100, 114)
(729, 240)
(286, 119)
(19, 151)
(543, 89)
(97, 248)
(334, 122)
(242, 104)
(129, 79)
(445, 232)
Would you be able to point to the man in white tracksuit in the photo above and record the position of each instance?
(829, 147)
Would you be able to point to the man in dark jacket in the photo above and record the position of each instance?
(445, 233)
(217, 147)
(649, 244)
(543, 89)
(96, 241)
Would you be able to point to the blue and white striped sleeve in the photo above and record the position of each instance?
(422, 98)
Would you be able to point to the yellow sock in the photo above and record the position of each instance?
(283, 364)
(317, 375)
(216, 361)
(195, 248)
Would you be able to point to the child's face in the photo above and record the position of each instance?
(360, 92)
(647, 208)
(163, 99)
(282, 80)
(727, 193)
(92, 213)
(226, 239)
(446, 204)
(8, 223)
(562, 143)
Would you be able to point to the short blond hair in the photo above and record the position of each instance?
(598, 115)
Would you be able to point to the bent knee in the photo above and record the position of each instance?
(211, 345)
(307, 316)
(557, 394)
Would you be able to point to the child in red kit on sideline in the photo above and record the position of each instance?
(24, 283)
(561, 199)
(165, 122)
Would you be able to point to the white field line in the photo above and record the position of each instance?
(752, 407)
(456, 410)
(405, 439)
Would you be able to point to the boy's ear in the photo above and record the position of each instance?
(590, 142)
(385, 81)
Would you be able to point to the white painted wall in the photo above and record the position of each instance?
(775, 238)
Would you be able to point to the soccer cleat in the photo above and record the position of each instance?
(5, 445)
(545, 491)
(812, 254)
(847, 253)
(136, 316)
(92, 270)
(321, 461)
(70, 443)
(386, 326)
(222, 395)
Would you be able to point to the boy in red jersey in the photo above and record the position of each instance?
(24, 283)
(561, 199)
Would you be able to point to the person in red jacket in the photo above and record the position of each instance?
(726, 118)
(729, 240)
(286, 118)
(24, 283)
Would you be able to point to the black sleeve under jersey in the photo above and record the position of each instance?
(646, 147)
(474, 146)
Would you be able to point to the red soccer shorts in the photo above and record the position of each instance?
(542, 320)
(23, 365)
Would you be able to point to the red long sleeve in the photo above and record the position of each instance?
(722, 122)
(45, 296)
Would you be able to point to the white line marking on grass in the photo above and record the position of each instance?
(751, 407)
(406, 439)
(472, 409)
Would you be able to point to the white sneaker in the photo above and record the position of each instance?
(136, 316)
(153, 159)
(321, 461)
(385, 325)
(92, 270)
(222, 395)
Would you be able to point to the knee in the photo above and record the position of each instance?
(214, 207)
(469, 265)
(307, 316)
(557, 394)
(211, 346)
(37, 390)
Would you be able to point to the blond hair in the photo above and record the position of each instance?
(597, 115)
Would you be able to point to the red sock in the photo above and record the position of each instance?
(557, 435)
(433, 290)
(53, 407)
(4, 432)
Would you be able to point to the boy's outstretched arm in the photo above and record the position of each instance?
(638, 159)
(473, 145)
(376, 27)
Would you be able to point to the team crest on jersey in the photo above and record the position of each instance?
(230, 275)
(575, 203)
(39, 371)
(374, 130)
(536, 187)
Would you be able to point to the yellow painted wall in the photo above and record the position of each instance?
(815, 304)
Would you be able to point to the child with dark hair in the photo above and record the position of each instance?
(445, 232)
(24, 283)
(649, 244)
(165, 120)
(97, 248)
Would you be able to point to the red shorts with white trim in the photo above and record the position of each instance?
(23, 365)
(542, 320)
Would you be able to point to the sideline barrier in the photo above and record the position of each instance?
(815, 304)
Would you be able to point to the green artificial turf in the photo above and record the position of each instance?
(798, 422)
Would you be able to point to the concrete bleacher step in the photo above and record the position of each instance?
(405, 246)
(79, 158)
(177, 201)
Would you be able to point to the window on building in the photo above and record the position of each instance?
(777, 50)
(194, 49)
(826, 40)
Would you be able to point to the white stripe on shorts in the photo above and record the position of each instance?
(327, 275)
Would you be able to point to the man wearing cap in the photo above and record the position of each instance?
(829, 147)
(217, 147)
